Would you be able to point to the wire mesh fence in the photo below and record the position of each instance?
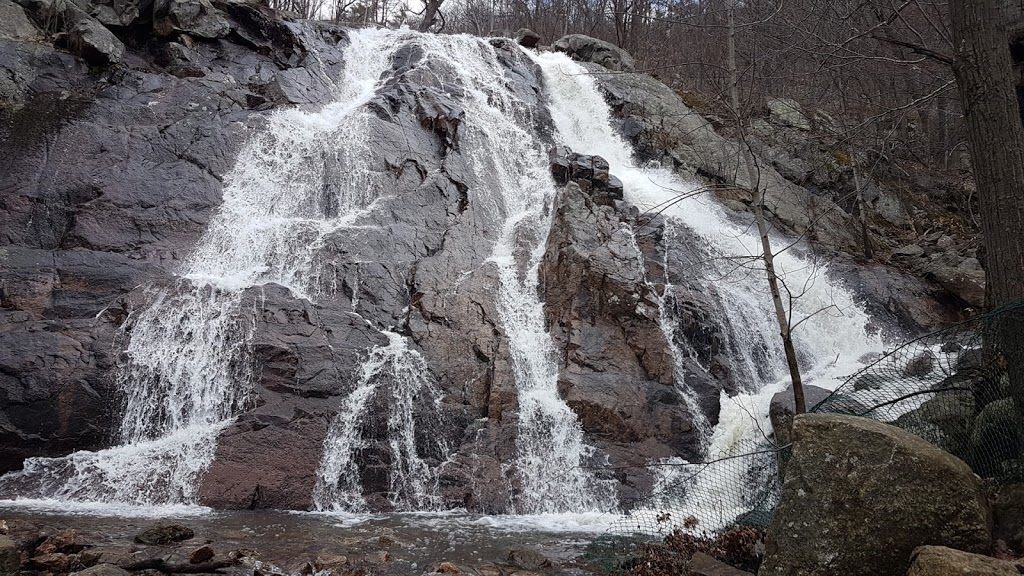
(961, 388)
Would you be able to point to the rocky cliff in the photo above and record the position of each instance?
(121, 124)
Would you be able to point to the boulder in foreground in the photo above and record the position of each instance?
(860, 496)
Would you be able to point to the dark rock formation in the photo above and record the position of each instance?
(164, 534)
(110, 178)
(617, 371)
(860, 496)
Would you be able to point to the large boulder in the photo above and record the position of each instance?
(586, 49)
(860, 496)
(942, 561)
(14, 24)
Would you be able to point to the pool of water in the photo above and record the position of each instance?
(286, 541)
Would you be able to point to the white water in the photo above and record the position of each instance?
(188, 369)
(402, 376)
(831, 341)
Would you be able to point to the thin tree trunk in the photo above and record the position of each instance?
(767, 256)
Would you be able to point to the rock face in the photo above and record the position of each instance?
(617, 372)
(110, 178)
(120, 125)
(942, 561)
(860, 496)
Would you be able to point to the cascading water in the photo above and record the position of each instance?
(188, 366)
(831, 341)
(516, 190)
(403, 376)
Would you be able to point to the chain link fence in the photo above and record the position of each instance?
(961, 388)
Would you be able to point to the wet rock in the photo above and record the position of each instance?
(617, 371)
(943, 561)
(102, 570)
(164, 534)
(886, 492)
(662, 128)
(527, 38)
(589, 172)
(10, 557)
(587, 49)
(919, 366)
(703, 565)
(528, 559)
(201, 554)
(66, 542)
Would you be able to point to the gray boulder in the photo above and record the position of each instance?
(787, 112)
(860, 496)
(197, 17)
(79, 32)
(783, 406)
(14, 24)
(587, 49)
(942, 561)
(527, 38)
(93, 42)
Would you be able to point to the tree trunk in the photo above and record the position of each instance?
(429, 13)
(995, 138)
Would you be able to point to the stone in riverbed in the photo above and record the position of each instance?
(201, 554)
(102, 570)
(528, 559)
(164, 534)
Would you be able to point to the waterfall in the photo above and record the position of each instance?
(188, 358)
(552, 452)
(515, 190)
(831, 341)
(405, 378)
